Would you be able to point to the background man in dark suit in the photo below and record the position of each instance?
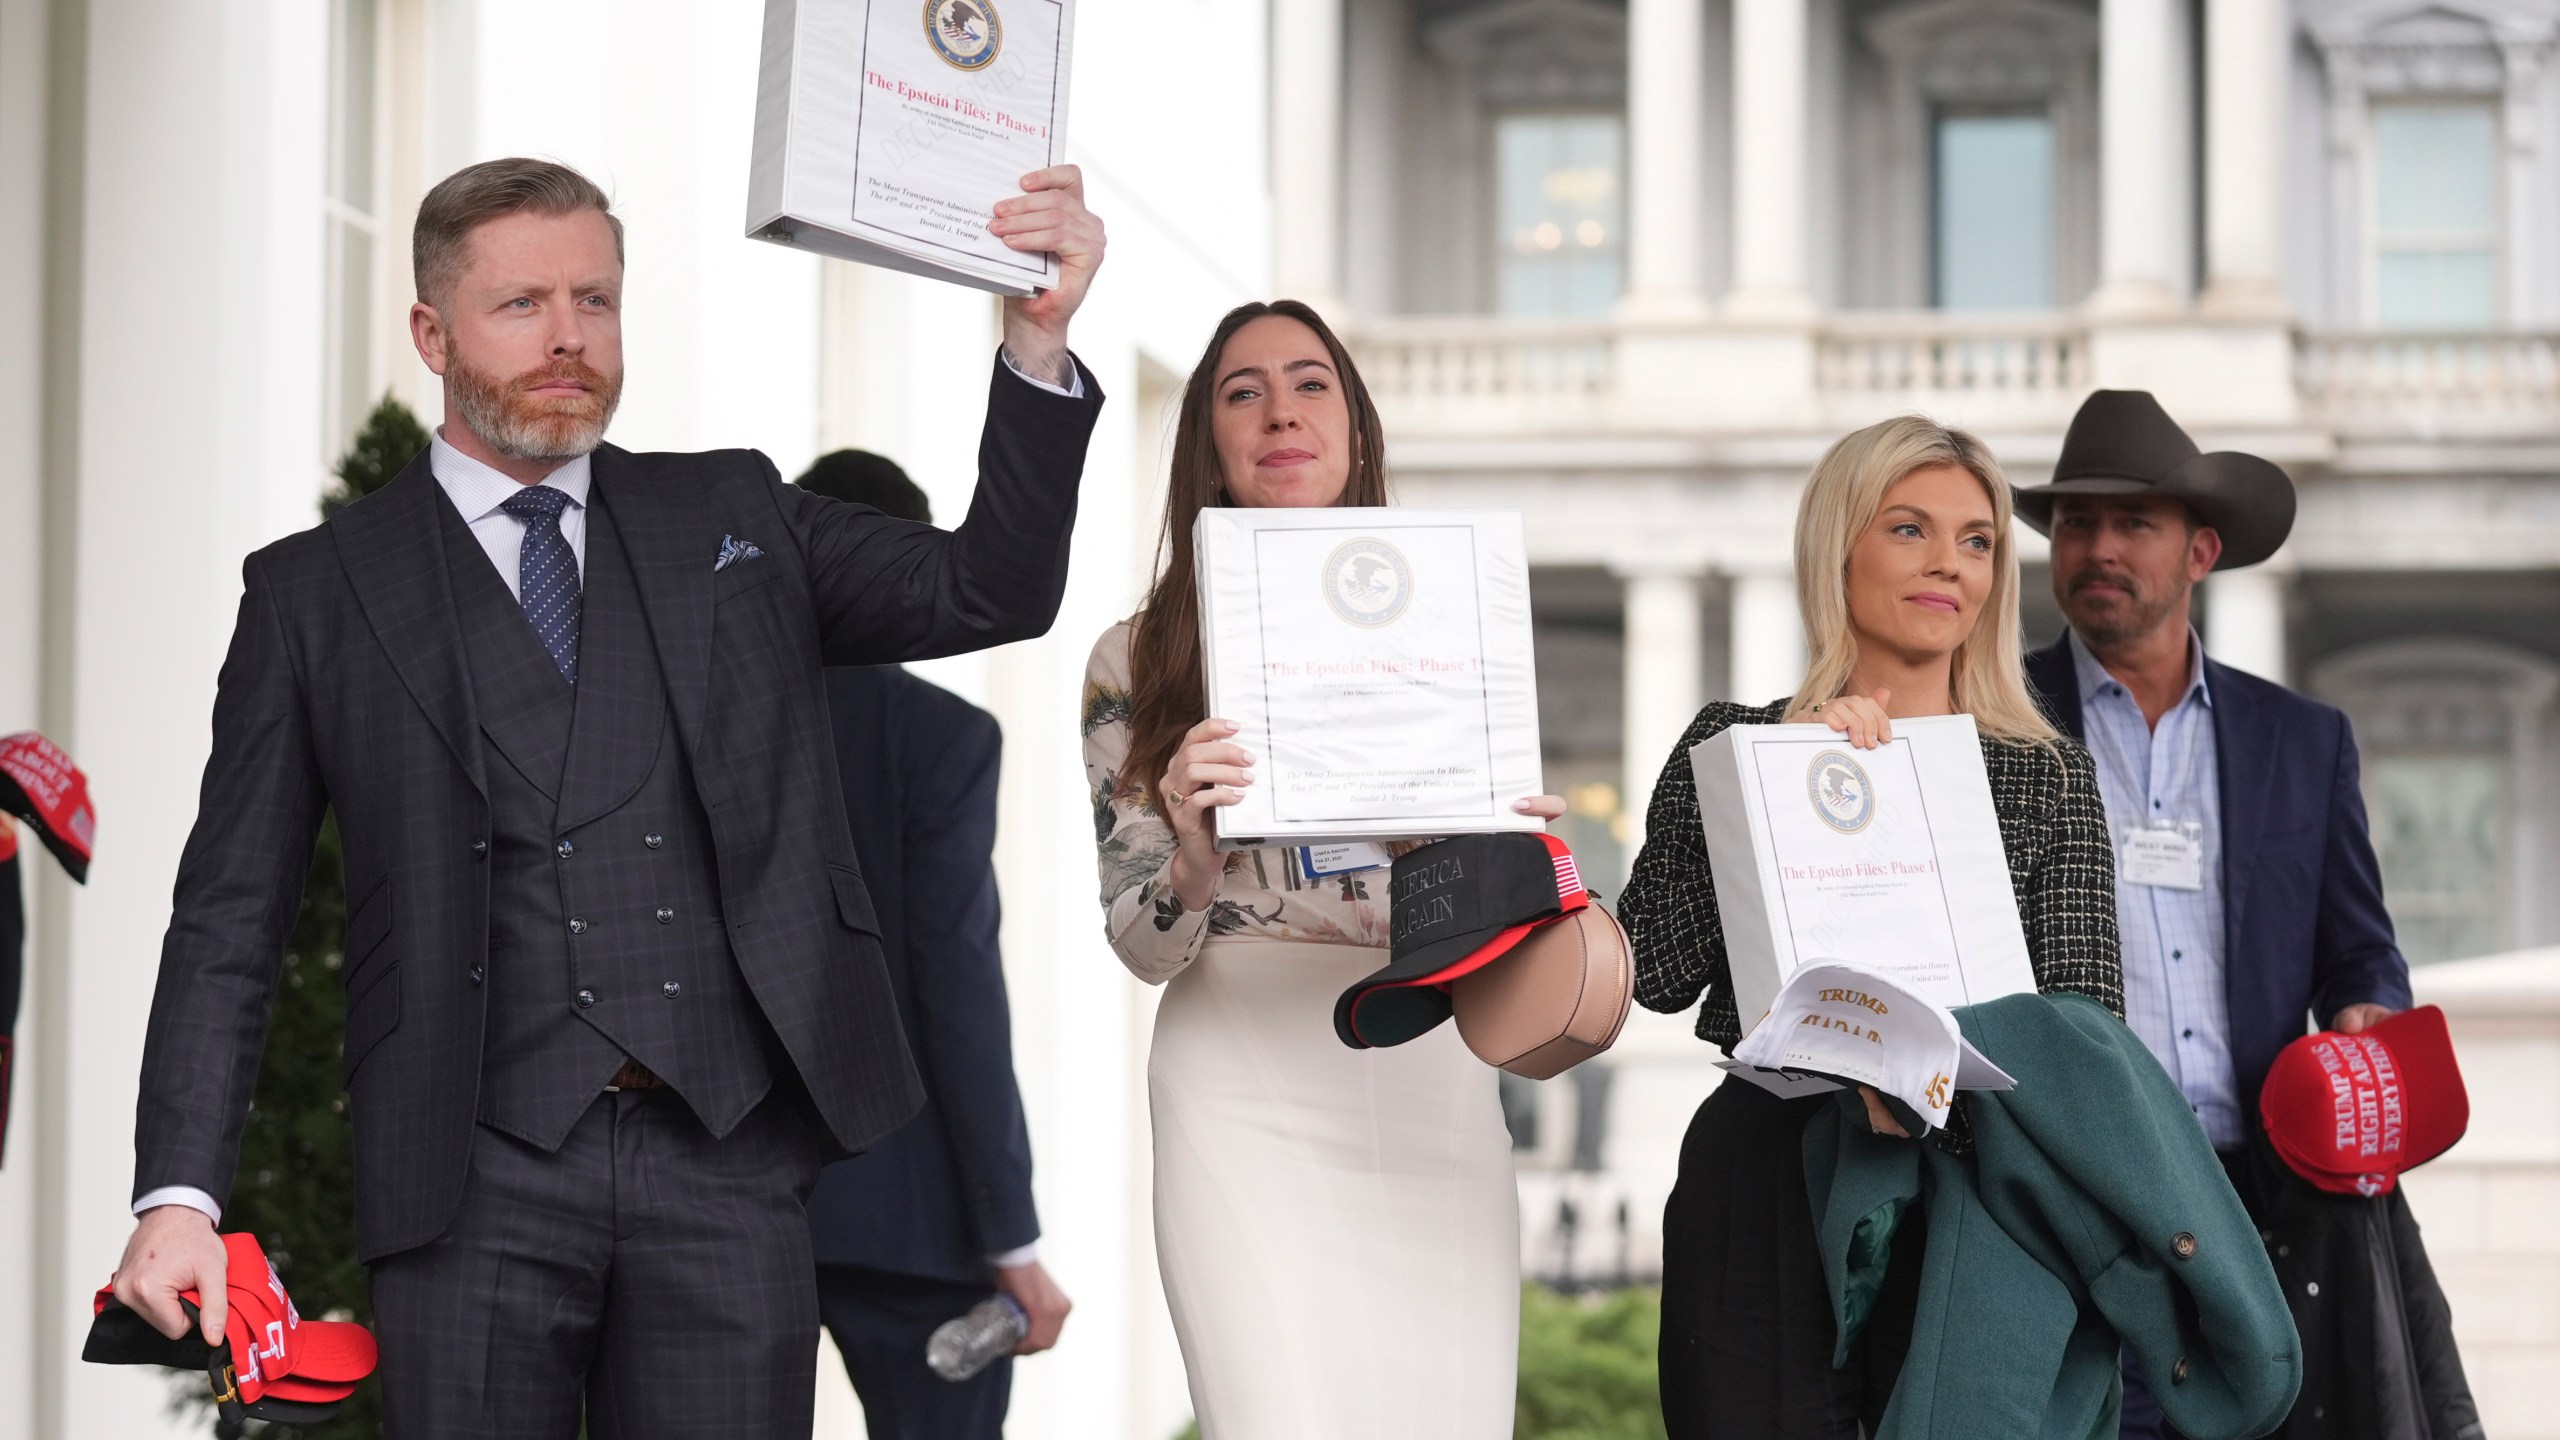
(938, 1215)
(614, 981)
(2248, 896)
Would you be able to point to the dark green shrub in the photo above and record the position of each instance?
(1586, 1366)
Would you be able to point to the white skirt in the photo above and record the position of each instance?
(1338, 1228)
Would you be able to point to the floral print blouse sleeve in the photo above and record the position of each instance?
(1150, 931)
(1263, 894)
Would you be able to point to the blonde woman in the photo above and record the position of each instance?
(1338, 1229)
(1909, 589)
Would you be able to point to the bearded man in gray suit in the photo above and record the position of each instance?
(614, 980)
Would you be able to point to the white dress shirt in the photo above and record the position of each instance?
(478, 492)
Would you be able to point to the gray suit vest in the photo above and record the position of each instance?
(605, 933)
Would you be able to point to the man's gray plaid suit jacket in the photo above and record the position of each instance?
(346, 689)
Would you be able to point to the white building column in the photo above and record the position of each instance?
(2245, 52)
(1770, 58)
(25, 221)
(1663, 680)
(2244, 619)
(2143, 97)
(217, 112)
(1768, 638)
(1666, 159)
(1306, 151)
(2529, 96)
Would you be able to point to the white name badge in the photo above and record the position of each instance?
(1322, 860)
(2170, 857)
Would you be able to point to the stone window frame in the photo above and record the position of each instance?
(1525, 57)
(2499, 50)
(1935, 54)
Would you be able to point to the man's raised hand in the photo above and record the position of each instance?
(1049, 216)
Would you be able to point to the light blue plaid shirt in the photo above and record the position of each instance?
(2173, 992)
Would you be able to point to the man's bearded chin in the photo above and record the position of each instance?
(523, 426)
(2113, 623)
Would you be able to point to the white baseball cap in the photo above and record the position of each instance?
(1848, 1025)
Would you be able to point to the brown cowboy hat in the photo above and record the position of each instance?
(2123, 443)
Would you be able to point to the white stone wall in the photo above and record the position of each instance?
(180, 163)
(2488, 1206)
(23, 101)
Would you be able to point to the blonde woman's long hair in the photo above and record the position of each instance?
(1988, 674)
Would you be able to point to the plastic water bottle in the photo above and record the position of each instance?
(962, 1347)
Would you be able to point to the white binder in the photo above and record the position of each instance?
(1379, 663)
(886, 131)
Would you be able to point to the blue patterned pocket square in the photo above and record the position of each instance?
(733, 550)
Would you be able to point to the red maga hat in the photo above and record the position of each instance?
(275, 1364)
(2349, 1113)
(39, 782)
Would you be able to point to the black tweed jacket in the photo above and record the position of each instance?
(2052, 823)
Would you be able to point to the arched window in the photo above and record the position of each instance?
(2459, 782)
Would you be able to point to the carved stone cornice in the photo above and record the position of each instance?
(1523, 53)
(1984, 51)
(2432, 47)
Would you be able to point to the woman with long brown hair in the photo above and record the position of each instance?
(1908, 583)
(1337, 1229)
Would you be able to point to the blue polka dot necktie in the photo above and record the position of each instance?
(548, 574)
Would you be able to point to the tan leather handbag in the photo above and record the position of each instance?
(1552, 1001)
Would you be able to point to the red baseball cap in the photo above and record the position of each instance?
(39, 782)
(2349, 1113)
(279, 1366)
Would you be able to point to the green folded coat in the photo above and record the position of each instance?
(2091, 1210)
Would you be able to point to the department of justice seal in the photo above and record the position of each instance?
(965, 33)
(1839, 791)
(1368, 582)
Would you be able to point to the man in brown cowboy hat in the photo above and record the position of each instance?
(2247, 893)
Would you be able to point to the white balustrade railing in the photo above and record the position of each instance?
(2028, 367)
(1469, 358)
(2389, 375)
(1862, 355)
(1917, 355)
